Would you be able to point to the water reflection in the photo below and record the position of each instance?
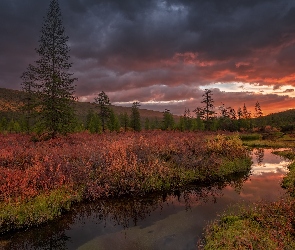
(259, 153)
(160, 221)
(264, 161)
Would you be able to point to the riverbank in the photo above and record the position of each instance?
(262, 225)
(39, 181)
(268, 140)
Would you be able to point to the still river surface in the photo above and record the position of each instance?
(172, 221)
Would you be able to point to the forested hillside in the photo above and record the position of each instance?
(284, 120)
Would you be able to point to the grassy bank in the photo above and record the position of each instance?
(261, 226)
(41, 180)
(268, 140)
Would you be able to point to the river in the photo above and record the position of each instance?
(161, 221)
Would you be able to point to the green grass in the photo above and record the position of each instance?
(250, 137)
(268, 140)
(285, 141)
(289, 154)
(234, 166)
(263, 226)
(288, 181)
(36, 211)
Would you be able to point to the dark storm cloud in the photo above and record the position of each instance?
(140, 46)
(18, 36)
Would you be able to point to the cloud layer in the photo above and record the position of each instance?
(159, 51)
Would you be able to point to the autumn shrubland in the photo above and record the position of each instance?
(41, 180)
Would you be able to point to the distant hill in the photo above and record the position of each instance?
(280, 119)
(11, 102)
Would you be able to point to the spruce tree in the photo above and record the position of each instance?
(209, 107)
(258, 110)
(113, 122)
(258, 114)
(49, 78)
(29, 98)
(246, 113)
(93, 122)
(209, 112)
(187, 118)
(200, 113)
(124, 121)
(247, 124)
(135, 117)
(147, 124)
(168, 120)
(103, 102)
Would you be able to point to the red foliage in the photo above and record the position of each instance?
(96, 165)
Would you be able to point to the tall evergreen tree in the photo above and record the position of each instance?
(247, 122)
(29, 99)
(199, 111)
(258, 110)
(113, 121)
(232, 113)
(225, 123)
(124, 121)
(240, 113)
(258, 114)
(147, 124)
(224, 111)
(209, 112)
(187, 118)
(155, 124)
(50, 78)
(103, 102)
(208, 101)
(168, 120)
(246, 113)
(135, 117)
(181, 124)
(93, 122)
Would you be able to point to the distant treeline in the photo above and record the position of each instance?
(102, 118)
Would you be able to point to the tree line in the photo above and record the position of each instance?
(102, 118)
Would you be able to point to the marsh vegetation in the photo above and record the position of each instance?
(41, 180)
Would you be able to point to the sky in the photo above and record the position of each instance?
(164, 53)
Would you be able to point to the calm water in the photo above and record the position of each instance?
(173, 221)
